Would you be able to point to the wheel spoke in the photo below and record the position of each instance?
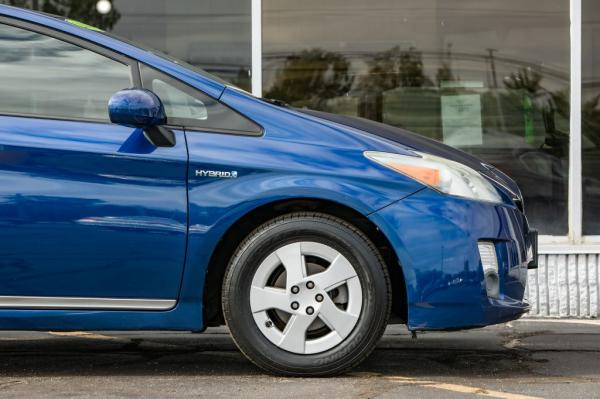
(336, 274)
(337, 319)
(293, 261)
(294, 334)
(268, 298)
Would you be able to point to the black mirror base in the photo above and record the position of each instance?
(160, 136)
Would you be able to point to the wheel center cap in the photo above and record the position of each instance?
(306, 298)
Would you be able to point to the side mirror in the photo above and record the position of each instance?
(142, 109)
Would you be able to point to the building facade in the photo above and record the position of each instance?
(514, 82)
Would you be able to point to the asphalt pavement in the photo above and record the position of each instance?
(523, 359)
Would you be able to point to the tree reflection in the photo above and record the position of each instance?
(395, 68)
(311, 77)
(524, 79)
(527, 83)
(444, 72)
(389, 70)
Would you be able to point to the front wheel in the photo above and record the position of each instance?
(306, 294)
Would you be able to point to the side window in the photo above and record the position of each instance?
(191, 108)
(44, 76)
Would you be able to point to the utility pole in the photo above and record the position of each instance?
(493, 66)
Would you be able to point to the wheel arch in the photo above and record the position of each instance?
(245, 224)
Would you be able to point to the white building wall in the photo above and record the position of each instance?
(565, 286)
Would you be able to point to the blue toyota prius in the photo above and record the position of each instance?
(138, 193)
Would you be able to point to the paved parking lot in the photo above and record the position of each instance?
(516, 360)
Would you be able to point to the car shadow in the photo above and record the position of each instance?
(156, 354)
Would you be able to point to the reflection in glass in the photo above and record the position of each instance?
(191, 108)
(213, 35)
(43, 76)
(590, 117)
(79, 10)
(489, 77)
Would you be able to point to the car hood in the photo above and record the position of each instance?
(401, 136)
(421, 144)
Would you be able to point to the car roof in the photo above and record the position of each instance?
(195, 79)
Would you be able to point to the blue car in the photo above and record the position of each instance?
(139, 193)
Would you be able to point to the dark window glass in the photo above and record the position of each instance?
(489, 77)
(211, 34)
(191, 108)
(590, 116)
(43, 76)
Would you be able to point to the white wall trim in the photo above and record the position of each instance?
(567, 249)
(563, 245)
(591, 240)
(550, 240)
(575, 190)
(256, 12)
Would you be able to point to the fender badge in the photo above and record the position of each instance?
(217, 173)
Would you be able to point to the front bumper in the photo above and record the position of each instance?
(435, 237)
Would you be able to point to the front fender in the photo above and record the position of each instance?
(216, 206)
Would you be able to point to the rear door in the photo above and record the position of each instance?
(91, 214)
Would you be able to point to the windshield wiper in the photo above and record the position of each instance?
(273, 101)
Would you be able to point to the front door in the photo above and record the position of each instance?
(91, 214)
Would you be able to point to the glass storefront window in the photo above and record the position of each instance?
(590, 116)
(489, 77)
(213, 35)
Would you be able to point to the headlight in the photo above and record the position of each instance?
(446, 176)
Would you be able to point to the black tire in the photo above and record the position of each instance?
(347, 240)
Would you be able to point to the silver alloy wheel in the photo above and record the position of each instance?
(306, 297)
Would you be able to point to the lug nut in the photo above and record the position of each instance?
(310, 310)
(295, 289)
(310, 285)
(295, 305)
(268, 324)
(319, 297)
